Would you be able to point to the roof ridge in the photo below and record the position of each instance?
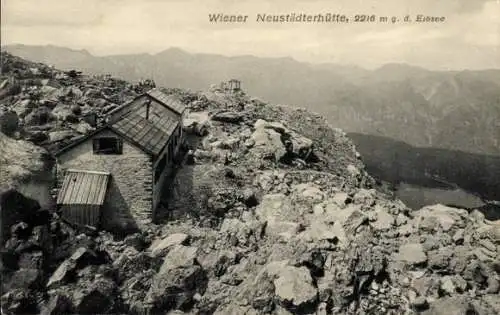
(157, 96)
(72, 170)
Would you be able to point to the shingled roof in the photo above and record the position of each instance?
(144, 121)
(168, 102)
(171, 101)
(148, 135)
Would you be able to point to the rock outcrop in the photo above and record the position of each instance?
(26, 181)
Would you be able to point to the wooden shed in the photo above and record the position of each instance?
(82, 195)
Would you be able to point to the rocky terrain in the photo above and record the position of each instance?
(50, 107)
(271, 212)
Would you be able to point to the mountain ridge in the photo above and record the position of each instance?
(9, 47)
(453, 110)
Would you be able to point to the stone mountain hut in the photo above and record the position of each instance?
(113, 177)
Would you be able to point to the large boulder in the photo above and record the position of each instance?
(299, 145)
(217, 263)
(97, 298)
(267, 144)
(319, 231)
(280, 284)
(196, 123)
(161, 246)
(228, 117)
(27, 169)
(308, 193)
(15, 207)
(62, 274)
(444, 217)
(295, 288)
(180, 256)
(175, 288)
(242, 233)
(178, 280)
(412, 254)
(66, 271)
(268, 133)
(259, 290)
(64, 113)
(277, 211)
(23, 107)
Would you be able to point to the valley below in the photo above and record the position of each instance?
(417, 197)
(424, 176)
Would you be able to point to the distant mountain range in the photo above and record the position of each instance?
(457, 110)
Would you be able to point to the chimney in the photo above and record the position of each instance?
(148, 105)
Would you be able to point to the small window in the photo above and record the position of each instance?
(107, 145)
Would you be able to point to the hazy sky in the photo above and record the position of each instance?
(469, 37)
